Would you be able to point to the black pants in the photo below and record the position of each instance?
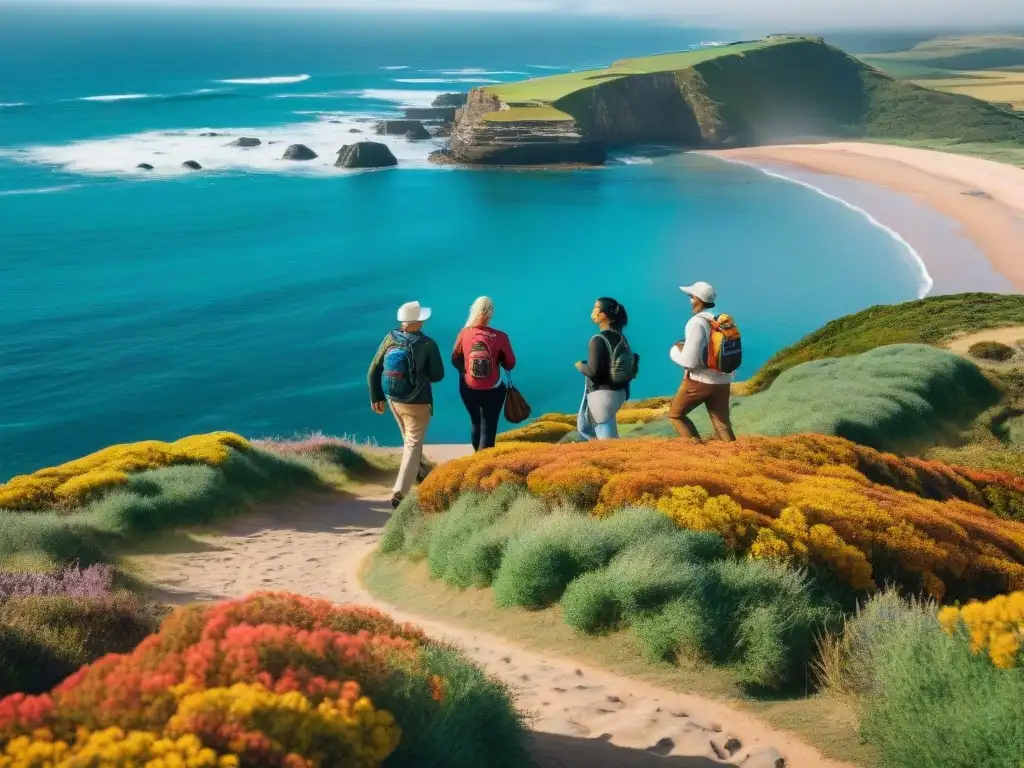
(484, 406)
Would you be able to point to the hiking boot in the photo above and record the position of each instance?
(421, 475)
(396, 499)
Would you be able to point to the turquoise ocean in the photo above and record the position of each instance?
(250, 296)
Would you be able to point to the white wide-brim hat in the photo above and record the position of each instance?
(412, 312)
(700, 290)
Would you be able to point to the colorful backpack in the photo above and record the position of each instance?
(399, 376)
(622, 362)
(481, 359)
(725, 350)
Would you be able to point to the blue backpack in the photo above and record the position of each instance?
(399, 376)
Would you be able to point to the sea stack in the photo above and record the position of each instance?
(299, 152)
(397, 127)
(365, 154)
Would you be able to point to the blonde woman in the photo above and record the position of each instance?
(479, 355)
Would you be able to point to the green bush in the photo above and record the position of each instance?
(991, 350)
(933, 320)
(187, 494)
(45, 639)
(924, 699)
(478, 724)
(680, 591)
(900, 398)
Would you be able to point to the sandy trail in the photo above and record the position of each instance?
(582, 717)
(1009, 336)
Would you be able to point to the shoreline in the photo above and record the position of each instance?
(992, 222)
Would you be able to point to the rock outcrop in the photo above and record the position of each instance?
(210, 134)
(192, 165)
(354, 130)
(486, 132)
(365, 154)
(144, 167)
(418, 133)
(299, 152)
(396, 127)
(246, 141)
(450, 100)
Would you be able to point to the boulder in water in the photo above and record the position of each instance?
(209, 134)
(144, 167)
(299, 152)
(417, 132)
(192, 165)
(365, 154)
(246, 141)
(396, 127)
(354, 130)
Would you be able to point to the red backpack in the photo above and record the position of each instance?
(480, 348)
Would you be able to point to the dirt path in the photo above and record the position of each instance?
(1009, 336)
(583, 717)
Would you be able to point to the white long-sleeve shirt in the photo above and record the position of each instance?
(694, 355)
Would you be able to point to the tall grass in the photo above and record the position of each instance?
(924, 699)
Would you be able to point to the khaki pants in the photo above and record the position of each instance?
(691, 394)
(413, 421)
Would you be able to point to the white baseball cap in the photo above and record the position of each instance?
(412, 312)
(702, 291)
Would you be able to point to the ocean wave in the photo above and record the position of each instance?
(633, 160)
(441, 80)
(476, 71)
(925, 283)
(543, 66)
(167, 150)
(281, 80)
(118, 97)
(38, 190)
(12, 104)
(394, 68)
(403, 98)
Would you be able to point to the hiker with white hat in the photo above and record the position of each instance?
(406, 364)
(709, 353)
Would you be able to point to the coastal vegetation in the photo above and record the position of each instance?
(272, 680)
(85, 509)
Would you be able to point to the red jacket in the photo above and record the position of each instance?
(498, 343)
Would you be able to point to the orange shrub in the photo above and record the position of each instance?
(859, 513)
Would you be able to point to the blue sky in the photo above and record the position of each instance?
(795, 14)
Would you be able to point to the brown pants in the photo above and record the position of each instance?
(715, 397)
(413, 421)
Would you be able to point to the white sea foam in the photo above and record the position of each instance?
(38, 190)
(543, 66)
(282, 80)
(400, 66)
(12, 104)
(925, 283)
(118, 97)
(711, 44)
(439, 80)
(477, 71)
(633, 160)
(403, 98)
(167, 150)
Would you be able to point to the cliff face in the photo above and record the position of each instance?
(486, 132)
(748, 94)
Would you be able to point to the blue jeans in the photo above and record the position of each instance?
(596, 418)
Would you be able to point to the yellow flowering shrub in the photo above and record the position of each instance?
(995, 627)
(111, 748)
(77, 481)
(537, 432)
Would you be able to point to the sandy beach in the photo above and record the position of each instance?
(985, 199)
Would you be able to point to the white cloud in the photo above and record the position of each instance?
(775, 14)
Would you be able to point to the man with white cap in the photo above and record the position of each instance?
(406, 364)
(701, 385)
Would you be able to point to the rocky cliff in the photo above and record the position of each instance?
(779, 89)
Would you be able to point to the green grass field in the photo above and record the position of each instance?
(519, 114)
(549, 89)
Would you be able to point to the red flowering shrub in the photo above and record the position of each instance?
(863, 514)
(270, 680)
